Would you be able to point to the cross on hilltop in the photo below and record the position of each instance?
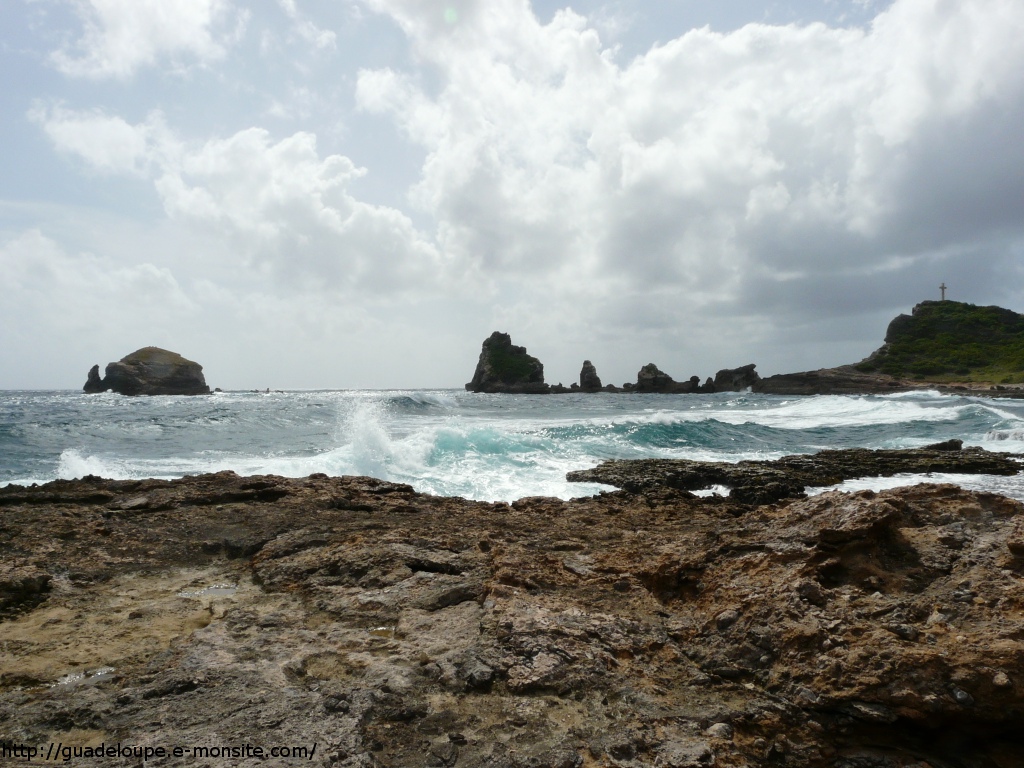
(943, 289)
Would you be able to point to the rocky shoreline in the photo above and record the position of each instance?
(640, 627)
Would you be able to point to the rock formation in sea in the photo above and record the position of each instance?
(93, 383)
(504, 367)
(650, 378)
(371, 625)
(589, 380)
(736, 379)
(842, 380)
(149, 371)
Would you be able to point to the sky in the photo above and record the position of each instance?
(356, 193)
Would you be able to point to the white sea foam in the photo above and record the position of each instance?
(1006, 485)
(841, 411)
(998, 435)
(805, 413)
(72, 465)
(1002, 413)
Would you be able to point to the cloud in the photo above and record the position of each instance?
(305, 29)
(280, 206)
(107, 143)
(121, 36)
(78, 295)
(714, 165)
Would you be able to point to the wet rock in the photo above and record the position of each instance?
(762, 482)
(172, 684)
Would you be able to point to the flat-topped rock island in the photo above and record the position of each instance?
(149, 371)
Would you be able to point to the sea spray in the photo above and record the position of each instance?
(73, 465)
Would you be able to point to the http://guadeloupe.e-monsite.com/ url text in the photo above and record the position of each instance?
(64, 753)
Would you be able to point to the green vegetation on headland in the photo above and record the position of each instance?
(945, 341)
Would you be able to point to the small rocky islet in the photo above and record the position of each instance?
(149, 371)
(641, 627)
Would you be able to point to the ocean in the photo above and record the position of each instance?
(486, 447)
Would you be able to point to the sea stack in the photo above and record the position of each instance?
(589, 380)
(651, 378)
(149, 371)
(735, 379)
(504, 367)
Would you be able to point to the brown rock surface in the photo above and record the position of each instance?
(391, 628)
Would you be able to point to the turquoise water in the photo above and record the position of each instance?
(490, 447)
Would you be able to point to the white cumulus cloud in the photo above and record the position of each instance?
(74, 296)
(281, 206)
(120, 36)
